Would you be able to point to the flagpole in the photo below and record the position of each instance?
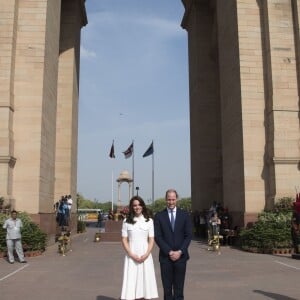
(132, 169)
(152, 177)
(112, 155)
(112, 190)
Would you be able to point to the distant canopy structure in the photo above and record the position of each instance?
(123, 177)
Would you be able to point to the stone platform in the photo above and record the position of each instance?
(112, 231)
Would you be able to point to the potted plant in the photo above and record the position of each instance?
(97, 237)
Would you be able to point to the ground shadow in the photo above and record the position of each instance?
(104, 298)
(273, 295)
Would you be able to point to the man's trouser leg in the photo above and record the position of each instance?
(19, 249)
(167, 273)
(10, 250)
(179, 278)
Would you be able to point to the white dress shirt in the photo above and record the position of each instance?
(13, 228)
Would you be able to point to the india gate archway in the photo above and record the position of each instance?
(244, 62)
(244, 103)
(39, 63)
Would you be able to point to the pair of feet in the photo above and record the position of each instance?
(22, 262)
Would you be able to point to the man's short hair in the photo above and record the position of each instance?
(171, 191)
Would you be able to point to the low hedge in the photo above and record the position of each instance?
(271, 231)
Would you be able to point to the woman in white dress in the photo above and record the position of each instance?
(139, 280)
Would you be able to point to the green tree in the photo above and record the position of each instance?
(185, 203)
(106, 206)
(87, 203)
(160, 204)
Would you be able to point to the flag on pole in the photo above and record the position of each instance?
(149, 151)
(112, 151)
(129, 151)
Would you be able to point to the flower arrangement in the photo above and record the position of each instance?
(97, 237)
(64, 242)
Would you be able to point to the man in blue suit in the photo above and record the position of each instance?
(173, 234)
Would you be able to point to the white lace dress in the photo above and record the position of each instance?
(138, 278)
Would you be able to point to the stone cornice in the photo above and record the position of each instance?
(84, 19)
(11, 107)
(286, 160)
(8, 159)
(188, 5)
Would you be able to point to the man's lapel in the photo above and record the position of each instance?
(177, 218)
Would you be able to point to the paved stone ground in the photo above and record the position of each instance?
(93, 271)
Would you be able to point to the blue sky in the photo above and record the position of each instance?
(133, 87)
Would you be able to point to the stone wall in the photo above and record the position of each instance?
(257, 86)
(39, 69)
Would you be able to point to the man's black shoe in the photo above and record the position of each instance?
(23, 262)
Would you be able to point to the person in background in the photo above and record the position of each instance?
(100, 219)
(202, 225)
(13, 227)
(173, 234)
(69, 203)
(225, 227)
(196, 222)
(215, 223)
(110, 214)
(63, 213)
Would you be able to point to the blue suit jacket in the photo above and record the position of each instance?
(168, 240)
